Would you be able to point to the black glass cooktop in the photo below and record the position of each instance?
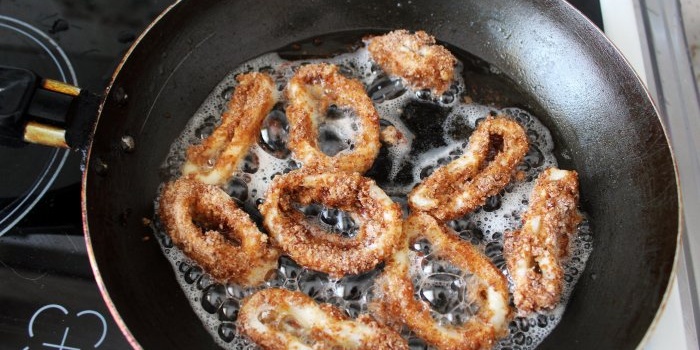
(48, 296)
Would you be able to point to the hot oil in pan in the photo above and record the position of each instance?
(435, 130)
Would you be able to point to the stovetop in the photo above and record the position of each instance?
(48, 296)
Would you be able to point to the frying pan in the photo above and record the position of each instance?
(549, 60)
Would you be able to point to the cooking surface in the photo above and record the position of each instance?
(48, 294)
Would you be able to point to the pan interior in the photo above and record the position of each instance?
(553, 63)
(435, 130)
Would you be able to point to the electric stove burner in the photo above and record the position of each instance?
(29, 171)
(48, 295)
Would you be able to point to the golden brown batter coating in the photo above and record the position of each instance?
(210, 229)
(379, 221)
(396, 291)
(282, 319)
(215, 159)
(415, 58)
(534, 254)
(391, 136)
(207, 225)
(310, 92)
(464, 184)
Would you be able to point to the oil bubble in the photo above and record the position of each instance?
(274, 134)
(213, 297)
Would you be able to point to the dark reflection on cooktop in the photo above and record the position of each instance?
(591, 9)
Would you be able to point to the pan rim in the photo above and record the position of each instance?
(131, 339)
(679, 234)
(680, 220)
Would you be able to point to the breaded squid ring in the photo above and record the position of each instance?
(396, 290)
(534, 253)
(282, 319)
(415, 58)
(210, 229)
(379, 221)
(311, 91)
(464, 184)
(215, 159)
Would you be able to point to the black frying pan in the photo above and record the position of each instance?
(554, 63)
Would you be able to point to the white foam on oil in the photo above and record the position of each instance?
(217, 304)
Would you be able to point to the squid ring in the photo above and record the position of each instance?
(215, 159)
(464, 184)
(415, 58)
(209, 228)
(379, 221)
(397, 299)
(282, 319)
(311, 91)
(534, 254)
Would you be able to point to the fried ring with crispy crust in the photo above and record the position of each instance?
(464, 184)
(215, 159)
(534, 253)
(282, 319)
(311, 91)
(210, 229)
(378, 218)
(396, 290)
(415, 58)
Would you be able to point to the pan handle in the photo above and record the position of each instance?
(44, 111)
